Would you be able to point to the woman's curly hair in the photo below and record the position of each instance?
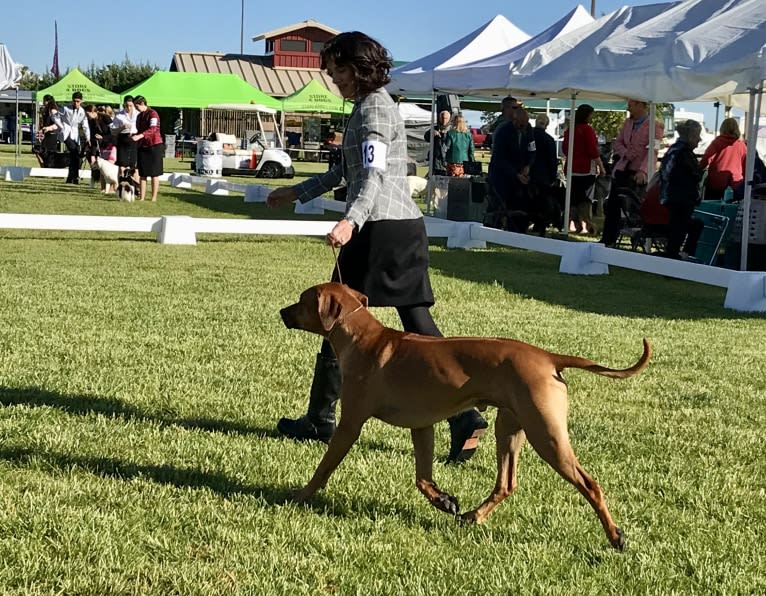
(369, 60)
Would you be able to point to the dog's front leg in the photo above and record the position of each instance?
(423, 441)
(345, 436)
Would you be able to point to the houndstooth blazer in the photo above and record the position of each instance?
(374, 165)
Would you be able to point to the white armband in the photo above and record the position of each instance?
(374, 154)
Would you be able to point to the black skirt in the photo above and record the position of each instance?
(388, 262)
(127, 154)
(150, 161)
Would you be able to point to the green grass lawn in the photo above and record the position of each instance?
(140, 385)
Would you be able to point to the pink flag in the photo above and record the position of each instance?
(55, 67)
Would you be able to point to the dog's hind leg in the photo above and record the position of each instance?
(557, 451)
(423, 442)
(345, 436)
(510, 439)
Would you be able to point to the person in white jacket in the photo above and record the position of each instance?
(71, 120)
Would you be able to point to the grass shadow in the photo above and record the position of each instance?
(528, 274)
(84, 405)
(185, 478)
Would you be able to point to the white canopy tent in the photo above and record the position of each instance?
(695, 50)
(411, 112)
(691, 50)
(492, 73)
(495, 36)
(10, 75)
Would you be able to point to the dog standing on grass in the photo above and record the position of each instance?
(127, 186)
(107, 174)
(413, 381)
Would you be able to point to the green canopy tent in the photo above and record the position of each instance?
(73, 81)
(198, 90)
(316, 98)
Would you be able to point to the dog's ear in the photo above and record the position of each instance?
(329, 308)
(358, 295)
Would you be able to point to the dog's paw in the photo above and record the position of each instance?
(470, 518)
(619, 542)
(301, 496)
(447, 503)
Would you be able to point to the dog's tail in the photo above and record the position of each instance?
(563, 361)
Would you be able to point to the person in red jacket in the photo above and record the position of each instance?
(724, 160)
(150, 147)
(586, 165)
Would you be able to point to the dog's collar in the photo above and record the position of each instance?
(343, 318)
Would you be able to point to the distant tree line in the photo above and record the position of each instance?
(114, 77)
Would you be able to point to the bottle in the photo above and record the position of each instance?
(728, 195)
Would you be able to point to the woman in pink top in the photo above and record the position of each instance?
(724, 160)
(586, 165)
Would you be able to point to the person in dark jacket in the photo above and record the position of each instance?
(680, 178)
(544, 177)
(513, 154)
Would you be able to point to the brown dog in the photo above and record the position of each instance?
(413, 381)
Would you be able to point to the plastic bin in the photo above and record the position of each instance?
(757, 224)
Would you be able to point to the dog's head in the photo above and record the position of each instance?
(320, 307)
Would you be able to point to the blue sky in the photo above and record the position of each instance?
(151, 30)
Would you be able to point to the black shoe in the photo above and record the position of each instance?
(465, 431)
(302, 429)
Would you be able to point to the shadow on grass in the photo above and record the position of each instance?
(622, 293)
(341, 506)
(83, 405)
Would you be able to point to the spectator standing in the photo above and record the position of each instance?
(150, 147)
(384, 247)
(458, 147)
(513, 153)
(680, 178)
(49, 131)
(438, 160)
(724, 160)
(123, 128)
(586, 166)
(100, 137)
(74, 132)
(544, 177)
(631, 151)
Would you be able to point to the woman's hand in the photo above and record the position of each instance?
(341, 233)
(280, 197)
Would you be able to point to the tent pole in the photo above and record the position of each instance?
(651, 159)
(17, 149)
(752, 132)
(431, 184)
(570, 153)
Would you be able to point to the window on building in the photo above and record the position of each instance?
(269, 46)
(316, 46)
(292, 45)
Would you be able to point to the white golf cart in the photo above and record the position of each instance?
(253, 157)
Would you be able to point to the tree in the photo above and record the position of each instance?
(120, 77)
(114, 77)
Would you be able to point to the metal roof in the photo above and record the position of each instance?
(256, 70)
(296, 27)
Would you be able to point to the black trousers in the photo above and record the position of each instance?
(74, 161)
(682, 226)
(623, 180)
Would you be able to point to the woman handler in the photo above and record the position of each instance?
(384, 250)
